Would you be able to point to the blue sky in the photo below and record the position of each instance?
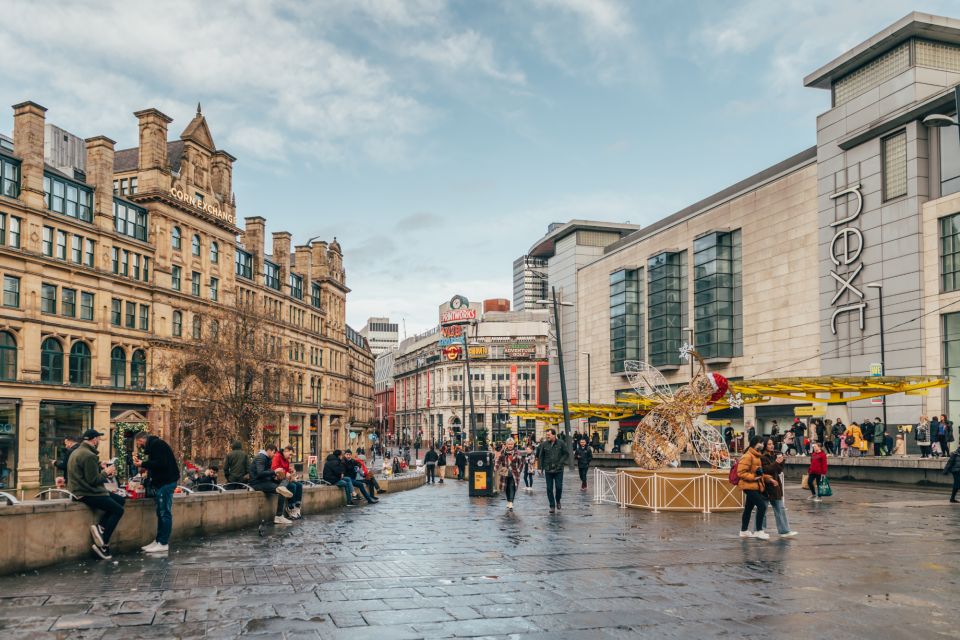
(437, 139)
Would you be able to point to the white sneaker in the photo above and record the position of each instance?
(286, 493)
(812, 497)
(763, 535)
(281, 520)
(817, 500)
(158, 548)
(746, 534)
(788, 534)
(148, 548)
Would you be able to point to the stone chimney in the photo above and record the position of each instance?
(318, 266)
(28, 126)
(153, 159)
(100, 151)
(302, 264)
(254, 230)
(281, 255)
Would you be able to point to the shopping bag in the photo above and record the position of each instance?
(823, 489)
(805, 482)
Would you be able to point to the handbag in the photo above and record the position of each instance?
(823, 488)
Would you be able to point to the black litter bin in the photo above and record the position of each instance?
(481, 474)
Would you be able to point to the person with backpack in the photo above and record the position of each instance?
(816, 472)
(953, 467)
(879, 438)
(922, 436)
(751, 479)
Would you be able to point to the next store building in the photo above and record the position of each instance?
(782, 274)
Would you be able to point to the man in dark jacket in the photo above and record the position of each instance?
(953, 467)
(86, 482)
(163, 473)
(334, 473)
(461, 462)
(551, 456)
(352, 470)
(70, 443)
(236, 466)
(584, 456)
(264, 478)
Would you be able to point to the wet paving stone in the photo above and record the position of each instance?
(872, 561)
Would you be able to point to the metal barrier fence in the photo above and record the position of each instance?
(665, 492)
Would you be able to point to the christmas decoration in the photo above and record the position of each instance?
(120, 431)
(669, 427)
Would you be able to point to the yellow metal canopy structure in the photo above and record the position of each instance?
(822, 389)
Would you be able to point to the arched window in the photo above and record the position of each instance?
(8, 356)
(214, 252)
(118, 368)
(177, 238)
(138, 369)
(195, 245)
(51, 361)
(80, 364)
(177, 323)
(196, 327)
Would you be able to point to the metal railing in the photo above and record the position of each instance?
(50, 492)
(9, 498)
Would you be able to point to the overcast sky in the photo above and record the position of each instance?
(438, 139)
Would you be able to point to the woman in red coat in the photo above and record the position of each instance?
(818, 469)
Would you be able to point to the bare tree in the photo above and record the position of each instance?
(226, 380)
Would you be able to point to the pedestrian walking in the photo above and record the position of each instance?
(507, 467)
(442, 462)
(163, 473)
(86, 481)
(430, 463)
(922, 436)
(461, 461)
(953, 467)
(773, 464)
(529, 467)
(751, 481)
(584, 457)
(236, 466)
(816, 472)
(551, 456)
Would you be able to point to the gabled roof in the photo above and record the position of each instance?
(198, 131)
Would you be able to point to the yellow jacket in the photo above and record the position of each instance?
(858, 441)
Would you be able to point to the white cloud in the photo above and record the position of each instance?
(464, 51)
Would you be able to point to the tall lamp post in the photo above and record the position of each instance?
(563, 378)
(883, 351)
(585, 353)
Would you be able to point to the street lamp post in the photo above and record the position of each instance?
(883, 350)
(563, 379)
(585, 353)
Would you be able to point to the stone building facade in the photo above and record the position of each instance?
(108, 268)
(361, 416)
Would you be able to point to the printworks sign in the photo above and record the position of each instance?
(845, 250)
(458, 313)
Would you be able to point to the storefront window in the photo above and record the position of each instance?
(8, 445)
(296, 439)
(56, 421)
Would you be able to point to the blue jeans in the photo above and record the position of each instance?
(164, 500)
(783, 525)
(554, 486)
(348, 486)
(296, 488)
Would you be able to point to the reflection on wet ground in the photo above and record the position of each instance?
(432, 563)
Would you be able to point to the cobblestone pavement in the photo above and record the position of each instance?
(432, 563)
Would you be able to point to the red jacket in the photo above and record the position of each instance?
(279, 462)
(818, 463)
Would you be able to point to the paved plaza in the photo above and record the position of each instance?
(872, 561)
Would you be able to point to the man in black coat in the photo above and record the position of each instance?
(163, 473)
(335, 473)
(264, 478)
(70, 443)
